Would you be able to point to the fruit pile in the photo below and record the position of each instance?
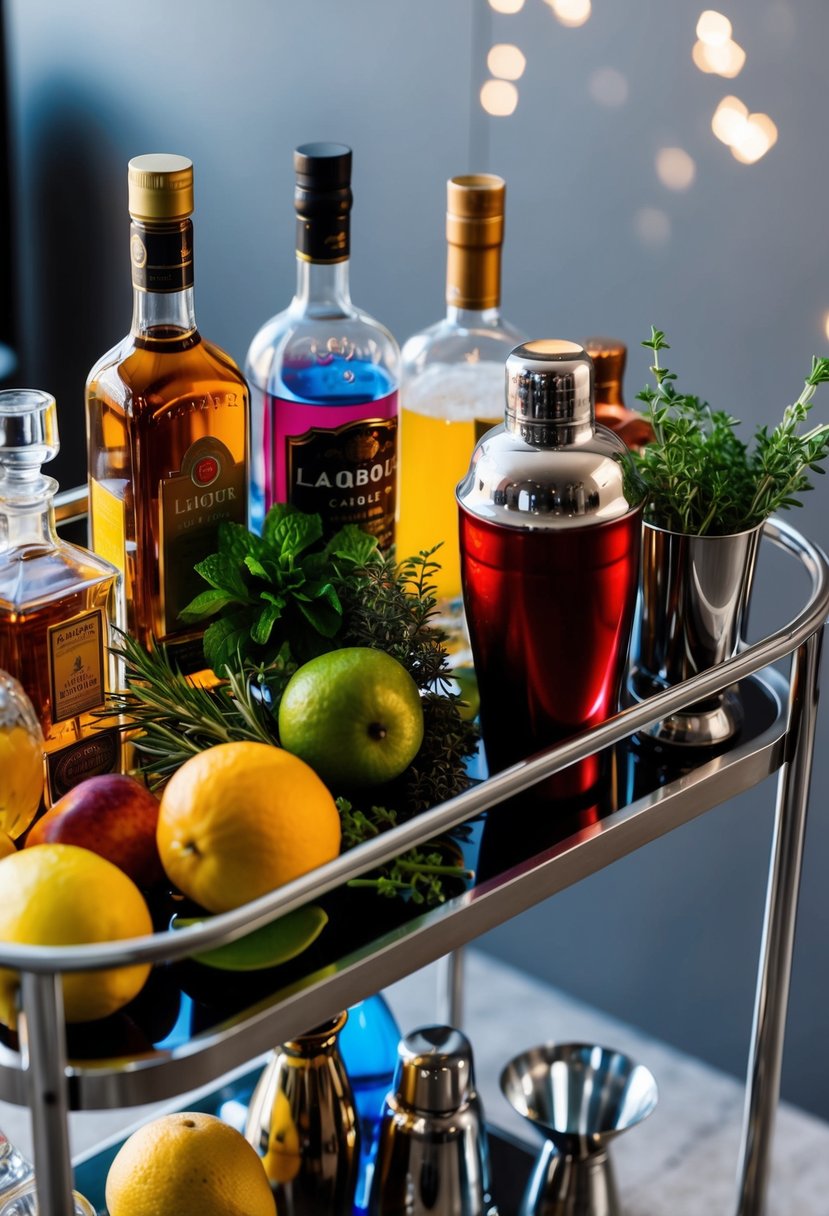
(235, 822)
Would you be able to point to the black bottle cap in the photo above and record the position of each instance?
(323, 201)
(322, 166)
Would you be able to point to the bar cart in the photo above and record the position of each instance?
(653, 799)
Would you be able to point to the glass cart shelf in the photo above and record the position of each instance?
(521, 854)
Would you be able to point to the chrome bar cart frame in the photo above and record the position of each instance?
(40, 1076)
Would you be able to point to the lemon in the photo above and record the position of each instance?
(62, 895)
(241, 819)
(190, 1164)
(354, 715)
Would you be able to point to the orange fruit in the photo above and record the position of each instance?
(241, 819)
(62, 895)
(7, 845)
(189, 1164)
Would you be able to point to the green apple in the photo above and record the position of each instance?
(354, 715)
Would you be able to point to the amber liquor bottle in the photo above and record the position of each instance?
(56, 602)
(167, 423)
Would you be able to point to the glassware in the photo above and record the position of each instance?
(167, 421)
(453, 384)
(21, 760)
(550, 529)
(303, 1122)
(324, 375)
(56, 601)
(368, 1046)
(14, 1168)
(23, 1202)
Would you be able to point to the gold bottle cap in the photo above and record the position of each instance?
(475, 233)
(160, 187)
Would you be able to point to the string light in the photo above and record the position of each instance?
(749, 136)
(506, 61)
(729, 118)
(499, 98)
(726, 60)
(506, 6)
(826, 325)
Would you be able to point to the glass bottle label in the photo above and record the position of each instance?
(337, 460)
(98, 753)
(347, 474)
(77, 665)
(162, 257)
(209, 488)
(108, 524)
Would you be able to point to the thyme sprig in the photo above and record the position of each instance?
(700, 478)
(419, 873)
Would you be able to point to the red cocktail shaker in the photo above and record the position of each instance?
(550, 525)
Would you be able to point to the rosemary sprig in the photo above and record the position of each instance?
(700, 478)
(173, 718)
(419, 873)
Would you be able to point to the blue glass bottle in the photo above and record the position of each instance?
(368, 1046)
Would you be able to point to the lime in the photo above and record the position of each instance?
(354, 715)
(276, 943)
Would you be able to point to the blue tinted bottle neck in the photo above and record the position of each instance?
(322, 288)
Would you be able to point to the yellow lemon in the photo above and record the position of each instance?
(189, 1164)
(62, 895)
(21, 778)
(241, 819)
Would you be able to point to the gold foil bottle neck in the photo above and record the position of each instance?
(160, 187)
(475, 233)
(609, 356)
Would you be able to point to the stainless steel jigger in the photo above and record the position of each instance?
(579, 1097)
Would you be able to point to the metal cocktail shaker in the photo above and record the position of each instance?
(550, 526)
(433, 1158)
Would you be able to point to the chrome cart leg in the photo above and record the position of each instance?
(44, 1050)
(771, 1001)
(450, 989)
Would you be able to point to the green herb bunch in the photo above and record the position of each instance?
(701, 479)
(275, 601)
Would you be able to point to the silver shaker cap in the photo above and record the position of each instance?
(434, 1073)
(549, 392)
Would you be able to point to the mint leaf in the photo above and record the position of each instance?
(208, 603)
(288, 531)
(353, 544)
(235, 541)
(262, 627)
(225, 639)
(224, 574)
(255, 566)
(320, 613)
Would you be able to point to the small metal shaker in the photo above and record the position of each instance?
(302, 1120)
(433, 1158)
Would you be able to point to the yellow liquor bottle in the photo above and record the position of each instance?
(167, 424)
(453, 383)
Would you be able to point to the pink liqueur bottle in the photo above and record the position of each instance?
(550, 525)
(323, 375)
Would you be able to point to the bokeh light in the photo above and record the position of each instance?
(506, 61)
(571, 13)
(826, 326)
(729, 118)
(608, 87)
(726, 60)
(675, 168)
(713, 28)
(652, 227)
(754, 139)
(506, 6)
(499, 98)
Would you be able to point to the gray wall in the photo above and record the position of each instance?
(668, 938)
